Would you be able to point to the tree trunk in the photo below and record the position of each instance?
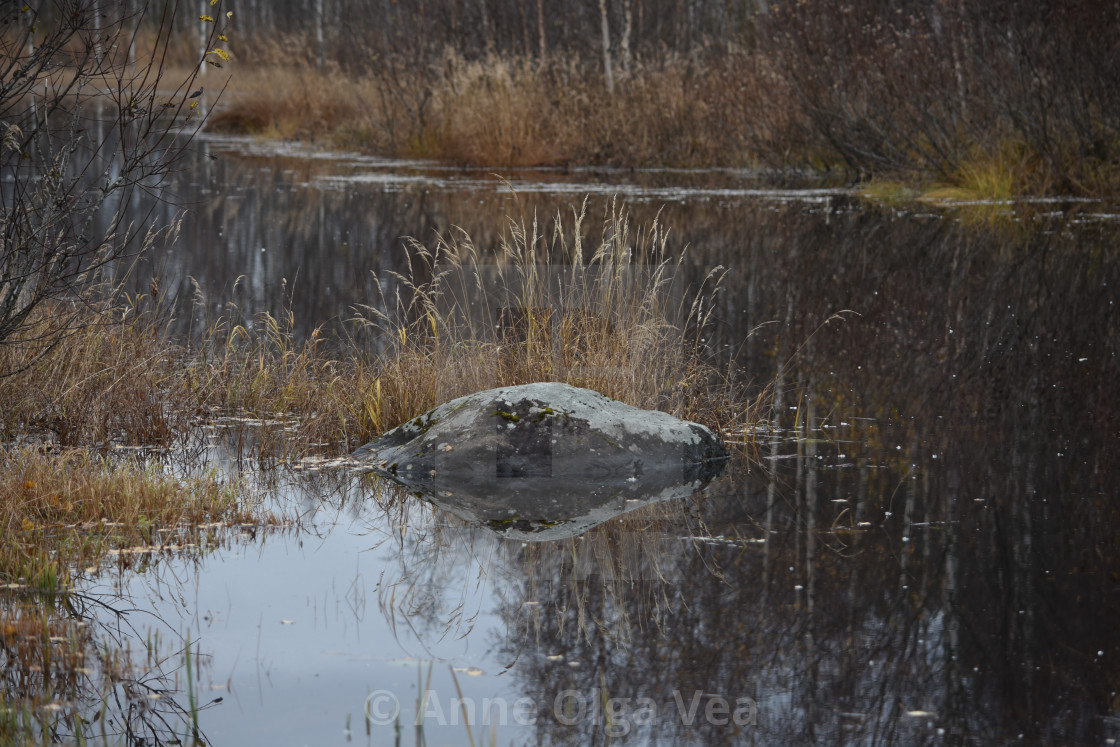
(134, 18)
(319, 10)
(97, 31)
(524, 44)
(486, 32)
(606, 46)
(627, 28)
(540, 28)
(202, 40)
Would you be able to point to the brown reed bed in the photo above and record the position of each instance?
(498, 111)
(603, 306)
(92, 375)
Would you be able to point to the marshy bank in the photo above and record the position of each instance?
(965, 101)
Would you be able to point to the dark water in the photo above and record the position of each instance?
(924, 548)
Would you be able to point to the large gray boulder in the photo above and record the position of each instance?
(545, 460)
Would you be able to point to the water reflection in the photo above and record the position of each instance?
(266, 230)
(536, 509)
(922, 550)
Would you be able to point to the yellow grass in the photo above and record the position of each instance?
(992, 177)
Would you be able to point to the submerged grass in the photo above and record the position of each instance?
(48, 657)
(71, 514)
(67, 677)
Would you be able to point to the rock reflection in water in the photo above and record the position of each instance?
(545, 460)
(544, 508)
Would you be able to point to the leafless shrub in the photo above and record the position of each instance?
(84, 125)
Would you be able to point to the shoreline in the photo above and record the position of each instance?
(513, 114)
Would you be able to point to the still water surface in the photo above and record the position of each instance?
(924, 547)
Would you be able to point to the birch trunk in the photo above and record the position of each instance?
(540, 29)
(627, 28)
(606, 46)
(319, 30)
(97, 31)
(202, 40)
(486, 32)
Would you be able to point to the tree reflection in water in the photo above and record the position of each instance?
(923, 548)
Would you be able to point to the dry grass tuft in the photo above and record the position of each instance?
(60, 512)
(290, 103)
(497, 111)
(611, 313)
(258, 370)
(112, 376)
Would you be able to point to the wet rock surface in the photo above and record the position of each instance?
(545, 460)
